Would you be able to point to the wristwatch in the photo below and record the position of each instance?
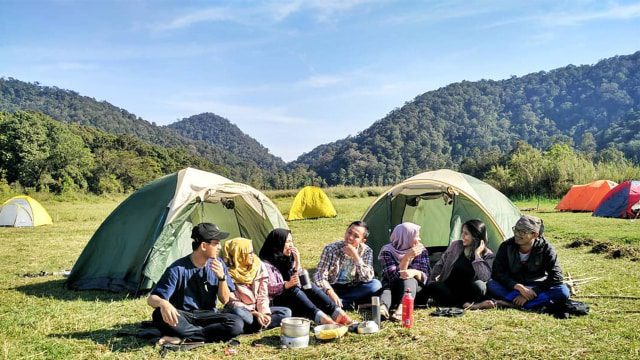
(224, 278)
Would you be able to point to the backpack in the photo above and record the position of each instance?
(567, 309)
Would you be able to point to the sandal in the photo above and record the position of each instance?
(448, 312)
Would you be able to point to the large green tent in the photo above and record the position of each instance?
(152, 228)
(440, 202)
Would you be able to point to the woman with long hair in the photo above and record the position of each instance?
(250, 300)
(282, 260)
(460, 277)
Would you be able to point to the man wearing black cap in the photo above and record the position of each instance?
(526, 272)
(184, 298)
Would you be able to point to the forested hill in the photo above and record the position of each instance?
(70, 107)
(589, 106)
(216, 130)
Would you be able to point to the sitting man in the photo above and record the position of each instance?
(526, 273)
(185, 297)
(345, 270)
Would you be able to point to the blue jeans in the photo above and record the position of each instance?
(554, 294)
(306, 303)
(359, 293)
(251, 323)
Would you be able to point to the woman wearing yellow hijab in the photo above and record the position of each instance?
(250, 300)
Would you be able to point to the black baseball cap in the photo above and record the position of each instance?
(207, 232)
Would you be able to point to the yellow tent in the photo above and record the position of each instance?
(22, 211)
(310, 203)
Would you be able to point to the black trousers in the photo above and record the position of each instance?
(201, 325)
(449, 295)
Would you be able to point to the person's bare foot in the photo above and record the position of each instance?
(483, 305)
(325, 319)
(343, 319)
(169, 340)
(505, 304)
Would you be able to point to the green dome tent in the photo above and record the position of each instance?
(152, 228)
(440, 201)
(311, 203)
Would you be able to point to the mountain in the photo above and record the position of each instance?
(216, 130)
(591, 107)
(72, 108)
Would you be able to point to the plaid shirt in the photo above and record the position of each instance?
(390, 271)
(333, 258)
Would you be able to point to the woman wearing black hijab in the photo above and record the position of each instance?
(282, 260)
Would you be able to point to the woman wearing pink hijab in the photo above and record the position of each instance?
(405, 265)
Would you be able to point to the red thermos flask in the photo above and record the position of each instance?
(407, 309)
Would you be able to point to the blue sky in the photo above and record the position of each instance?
(297, 74)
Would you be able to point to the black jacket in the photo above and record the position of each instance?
(541, 269)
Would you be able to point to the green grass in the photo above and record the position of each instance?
(39, 319)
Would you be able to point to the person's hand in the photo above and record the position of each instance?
(520, 300)
(263, 319)
(525, 292)
(480, 249)
(169, 313)
(295, 253)
(415, 250)
(293, 281)
(351, 252)
(217, 268)
(334, 297)
(410, 273)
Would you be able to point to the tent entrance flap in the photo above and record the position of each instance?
(435, 215)
(219, 214)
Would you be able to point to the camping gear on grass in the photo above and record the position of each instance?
(152, 228)
(294, 342)
(623, 201)
(295, 332)
(440, 202)
(23, 211)
(368, 327)
(295, 326)
(585, 197)
(330, 331)
(311, 203)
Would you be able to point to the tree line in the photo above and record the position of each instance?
(589, 107)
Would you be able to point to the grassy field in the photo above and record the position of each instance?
(39, 319)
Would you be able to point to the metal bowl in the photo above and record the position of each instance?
(330, 331)
(295, 327)
(294, 342)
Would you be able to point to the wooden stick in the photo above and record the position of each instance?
(571, 284)
(626, 297)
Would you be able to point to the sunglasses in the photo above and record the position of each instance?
(520, 231)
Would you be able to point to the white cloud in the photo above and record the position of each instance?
(614, 12)
(321, 81)
(75, 66)
(203, 15)
(269, 13)
(247, 115)
(576, 16)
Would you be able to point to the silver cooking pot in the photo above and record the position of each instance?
(295, 327)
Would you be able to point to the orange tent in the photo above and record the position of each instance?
(585, 197)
